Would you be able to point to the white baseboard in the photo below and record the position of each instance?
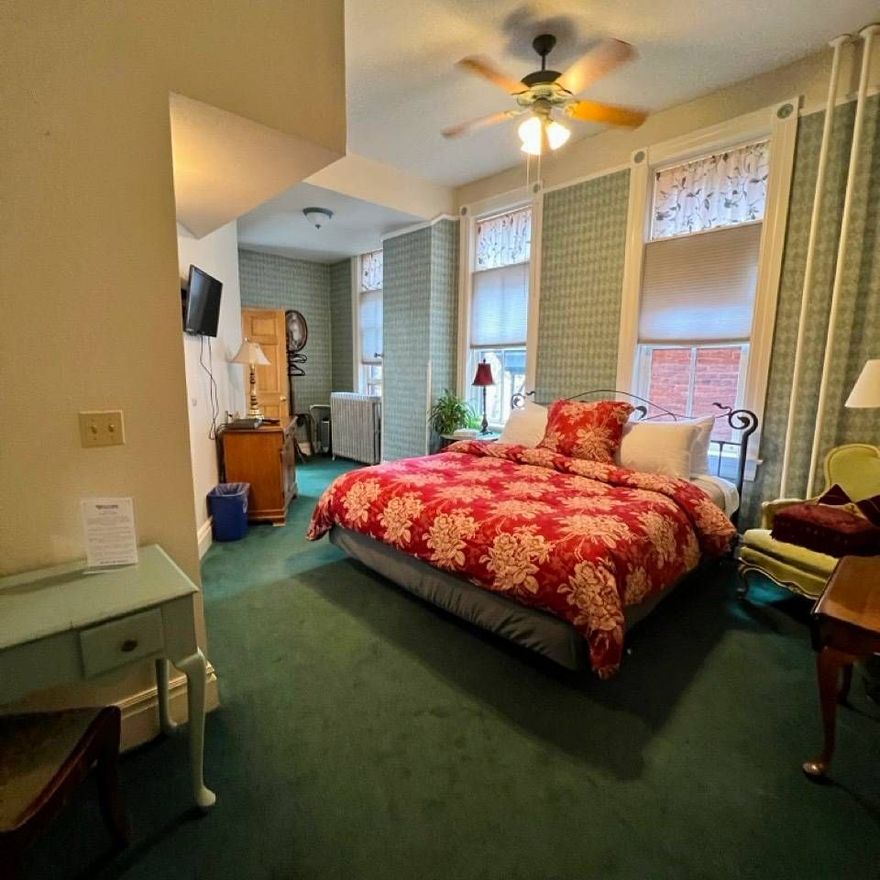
(204, 536)
(140, 711)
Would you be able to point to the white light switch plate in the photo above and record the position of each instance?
(104, 428)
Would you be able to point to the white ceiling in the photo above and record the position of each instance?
(279, 227)
(403, 89)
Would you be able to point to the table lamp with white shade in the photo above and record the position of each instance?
(866, 391)
(252, 356)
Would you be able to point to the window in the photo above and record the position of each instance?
(499, 307)
(720, 190)
(688, 379)
(370, 322)
(700, 272)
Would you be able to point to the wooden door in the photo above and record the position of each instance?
(268, 327)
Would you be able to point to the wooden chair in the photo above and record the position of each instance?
(43, 758)
(855, 467)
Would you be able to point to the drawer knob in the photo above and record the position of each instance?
(129, 645)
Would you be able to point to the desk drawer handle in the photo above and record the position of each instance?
(129, 645)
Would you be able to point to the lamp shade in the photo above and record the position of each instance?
(250, 353)
(484, 375)
(866, 391)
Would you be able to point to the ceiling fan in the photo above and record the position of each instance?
(539, 93)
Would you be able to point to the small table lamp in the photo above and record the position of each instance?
(252, 356)
(482, 380)
(866, 391)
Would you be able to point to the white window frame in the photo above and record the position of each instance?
(778, 124)
(524, 197)
(359, 370)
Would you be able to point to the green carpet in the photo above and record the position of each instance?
(366, 735)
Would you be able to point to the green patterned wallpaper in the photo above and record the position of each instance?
(419, 327)
(583, 245)
(406, 302)
(444, 307)
(858, 320)
(341, 329)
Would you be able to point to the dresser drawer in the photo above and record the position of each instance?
(118, 642)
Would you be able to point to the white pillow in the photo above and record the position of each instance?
(658, 447)
(526, 426)
(700, 449)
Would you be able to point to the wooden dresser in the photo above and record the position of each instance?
(263, 457)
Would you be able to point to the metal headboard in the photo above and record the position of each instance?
(742, 420)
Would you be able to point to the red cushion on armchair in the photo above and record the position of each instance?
(826, 529)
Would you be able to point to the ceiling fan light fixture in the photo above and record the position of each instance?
(530, 133)
(557, 134)
(318, 216)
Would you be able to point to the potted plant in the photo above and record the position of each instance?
(449, 413)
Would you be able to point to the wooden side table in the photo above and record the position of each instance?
(265, 458)
(846, 628)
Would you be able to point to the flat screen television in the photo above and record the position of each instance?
(202, 303)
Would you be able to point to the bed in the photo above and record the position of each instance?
(558, 554)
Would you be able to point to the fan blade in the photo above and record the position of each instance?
(607, 114)
(485, 67)
(598, 62)
(482, 122)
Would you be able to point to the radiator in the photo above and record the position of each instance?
(356, 423)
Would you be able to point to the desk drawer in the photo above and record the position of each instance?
(114, 644)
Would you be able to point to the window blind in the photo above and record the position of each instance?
(371, 326)
(700, 288)
(499, 306)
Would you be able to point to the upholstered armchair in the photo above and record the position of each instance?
(856, 468)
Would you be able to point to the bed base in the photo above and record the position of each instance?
(536, 630)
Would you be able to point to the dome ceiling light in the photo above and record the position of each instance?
(318, 217)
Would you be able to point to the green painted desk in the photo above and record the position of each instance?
(60, 625)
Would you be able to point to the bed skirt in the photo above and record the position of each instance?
(531, 628)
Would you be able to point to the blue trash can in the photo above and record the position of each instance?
(228, 503)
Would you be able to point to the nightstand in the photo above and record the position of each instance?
(263, 457)
(490, 437)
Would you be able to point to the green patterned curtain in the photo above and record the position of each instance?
(858, 320)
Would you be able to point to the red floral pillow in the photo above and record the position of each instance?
(586, 430)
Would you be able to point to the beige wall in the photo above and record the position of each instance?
(88, 258)
(612, 148)
(217, 254)
(89, 274)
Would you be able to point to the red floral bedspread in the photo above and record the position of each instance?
(577, 538)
